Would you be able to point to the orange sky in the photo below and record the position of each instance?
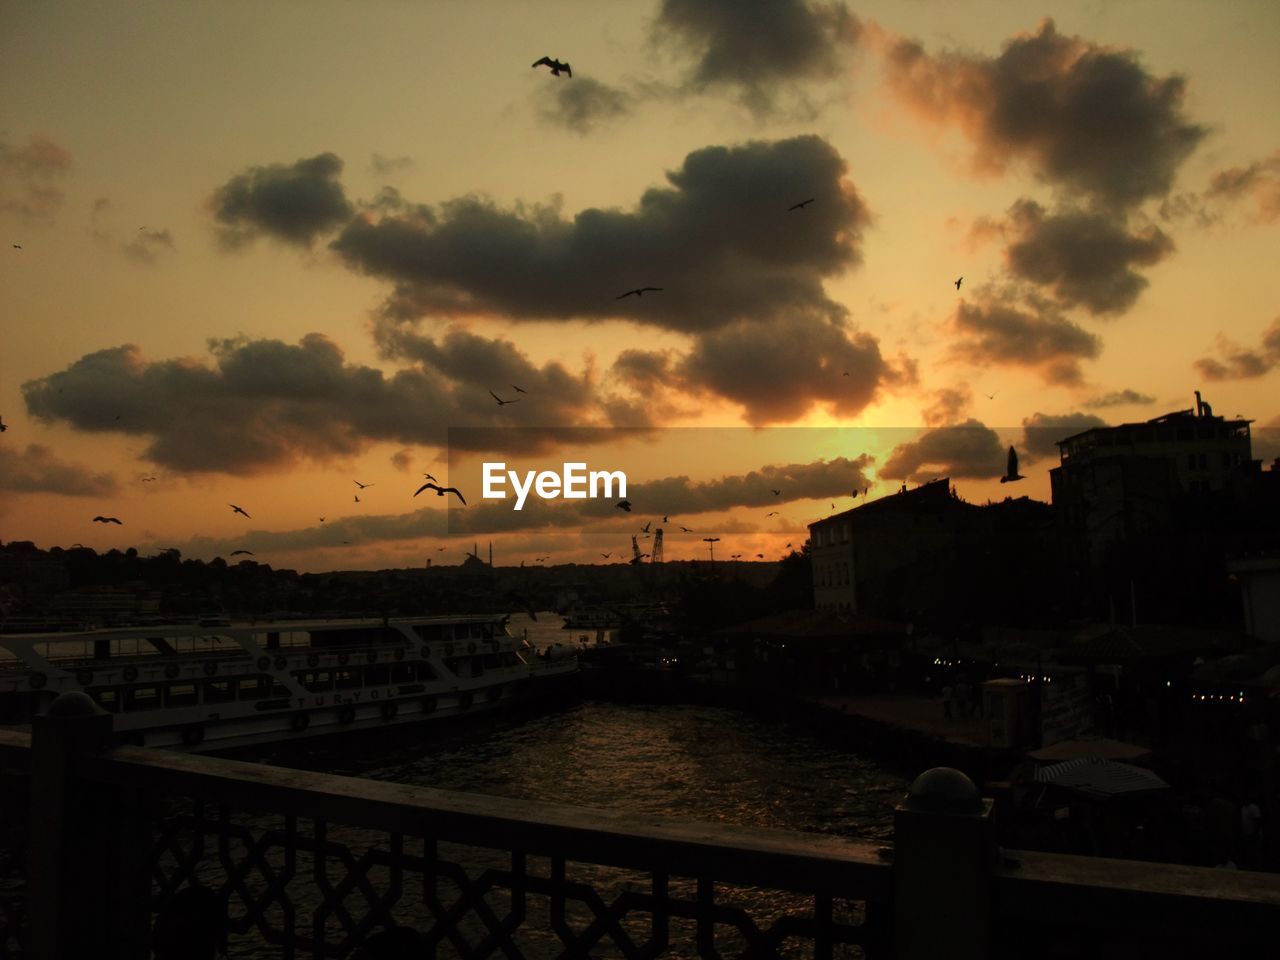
(270, 250)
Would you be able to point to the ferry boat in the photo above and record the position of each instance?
(215, 685)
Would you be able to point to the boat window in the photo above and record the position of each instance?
(486, 631)
(251, 688)
(180, 695)
(426, 671)
(142, 698)
(315, 680)
(108, 700)
(346, 679)
(429, 631)
(219, 691)
(374, 676)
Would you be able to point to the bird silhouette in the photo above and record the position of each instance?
(322, 519)
(958, 281)
(107, 520)
(624, 505)
(686, 530)
(771, 513)
(556, 66)
(357, 496)
(361, 485)
(431, 478)
(645, 528)
(775, 492)
(639, 292)
(148, 479)
(441, 491)
(3, 428)
(855, 493)
(17, 246)
(237, 552)
(606, 555)
(502, 402)
(759, 556)
(664, 518)
(989, 396)
(517, 389)
(1011, 470)
(801, 205)
(238, 509)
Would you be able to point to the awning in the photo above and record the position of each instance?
(1100, 778)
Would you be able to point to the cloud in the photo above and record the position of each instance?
(997, 329)
(585, 104)
(292, 203)
(1084, 117)
(968, 450)
(147, 245)
(1042, 431)
(385, 166)
(38, 470)
(1240, 363)
(718, 240)
(757, 47)
(1082, 258)
(402, 460)
(266, 404)
(1259, 180)
(1118, 398)
(29, 178)
(949, 405)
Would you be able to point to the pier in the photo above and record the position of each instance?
(311, 865)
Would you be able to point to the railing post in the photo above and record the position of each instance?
(943, 854)
(75, 893)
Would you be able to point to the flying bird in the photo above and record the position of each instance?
(236, 552)
(775, 492)
(760, 556)
(801, 205)
(238, 509)
(686, 530)
(17, 246)
(958, 281)
(431, 478)
(645, 528)
(639, 292)
(357, 498)
(664, 518)
(624, 505)
(502, 402)
(517, 389)
(771, 513)
(3, 428)
(322, 519)
(441, 548)
(606, 555)
(441, 491)
(555, 65)
(148, 479)
(361, 485)
(1011, 471)
(107, 520)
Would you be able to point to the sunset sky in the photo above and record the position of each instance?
(261, 251)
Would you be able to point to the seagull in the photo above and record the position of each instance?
(775, 492)
(235, 552)
(771, 513)
(645, 528)
(958, 280)
(148, 479)
(1011, 471)
(624, 505)
(431, 478)
(238, 509)
(555, 65)
(322, 519)
(686, 530)
(855, 493)
(989, 396)
(639, 292)
(107, 520)
(17, 246)
(361, 485)
(606, 555)
(3, 428)
(357, 498)
(760, 556)
(664, 518)
(440, 548)
(517, 389)
(502, 402)
(801, 205)
(441, 491)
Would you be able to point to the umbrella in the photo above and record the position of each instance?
(1100, 778)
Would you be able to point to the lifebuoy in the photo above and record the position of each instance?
(37, 680)
(210, 667)
(429, 704)
(346, 714)
(281, 663)
(300, 721)
(130, 674)
(399, 653)
(84, 677)
(193, 734)
(371, 656)
(313, 659)
(263, 663)
(390, 709)
(464, 700)
(170, 670)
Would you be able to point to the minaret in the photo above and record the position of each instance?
(490, 554)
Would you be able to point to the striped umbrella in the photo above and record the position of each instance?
(1100, 778)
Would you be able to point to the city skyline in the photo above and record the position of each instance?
(268, 257)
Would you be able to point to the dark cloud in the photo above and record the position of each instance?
(385, 166)
(1118, 398)
(147, 245)
(1259, 180)
(30, 178)
(294, 203)
(585, 104)
(1085, 117)
(776, 371)
(1265, 439)
(266, 404)
(718, 240)
(1042, 431)
(1240, 363)
(949, 405)
(1083, 258)
(402, 460)
(37, 470)
(757, 47)
(997, 329)
(968, 450)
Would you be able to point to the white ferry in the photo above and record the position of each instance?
(214, 685)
